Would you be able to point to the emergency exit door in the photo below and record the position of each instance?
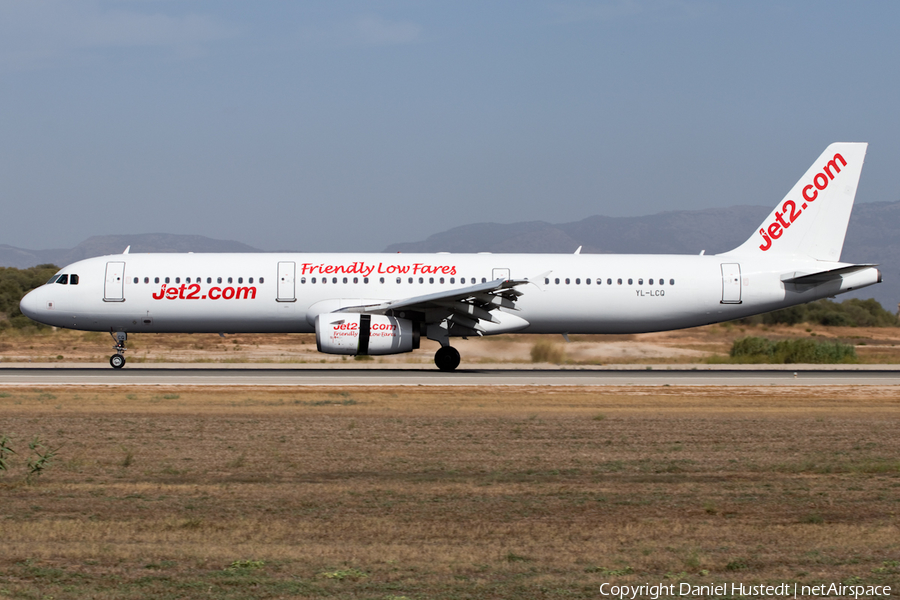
(286, 287)
(500, 274)
(731, 283)
(114, 288)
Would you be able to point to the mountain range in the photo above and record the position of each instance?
(101, 245)
(871, 238)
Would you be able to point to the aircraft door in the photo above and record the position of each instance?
(501, 274)
(114, 288)
(286, 275)
(731, 283)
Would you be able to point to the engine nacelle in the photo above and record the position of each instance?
(353, 333)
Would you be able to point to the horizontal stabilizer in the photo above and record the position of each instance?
(823, 276)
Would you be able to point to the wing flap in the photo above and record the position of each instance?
(467, 309)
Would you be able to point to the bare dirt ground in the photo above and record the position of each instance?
(696, 345)
(445, 493)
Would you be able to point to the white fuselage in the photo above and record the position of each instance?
(566, 293)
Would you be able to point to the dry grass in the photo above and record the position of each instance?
(696, 345)
(446, 493)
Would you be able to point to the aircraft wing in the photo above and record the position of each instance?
(463, 308)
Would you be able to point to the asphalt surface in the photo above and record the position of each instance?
(286, 376)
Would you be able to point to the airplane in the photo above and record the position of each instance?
(377, 304)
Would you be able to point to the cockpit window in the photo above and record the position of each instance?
(63, 279)
(73, 279)
(53, 279)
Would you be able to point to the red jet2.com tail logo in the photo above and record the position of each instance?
(790, 210)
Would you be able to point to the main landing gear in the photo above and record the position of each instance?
(117, 360)
(446, 358)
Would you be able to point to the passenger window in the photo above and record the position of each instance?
(578, 281)
(557, 281)
(442, 280)
(63, 279)
(671, 282)
(167, 280)
(240, 280)
(73, 279)
(313, 280)
(345, 280)
(382, 280)
(136, 280)
(609, 281)
(599, 281)
(230, 280)
(619, 281)
(334, 280)
(453, 280)
(261, 280)
(356, 280)
(641, 281)
(431, 280)
(662, 281)
(567, 281)
(303, 280)
(421, 280)
(178, 280)
(410, 279)
(366, 280)
(630, 281)
(484, 280)
(250, 280)
(650, 282)
(218, 280)
(587, 281)
(187, 280)
(156, 280)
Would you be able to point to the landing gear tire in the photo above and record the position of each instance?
(446, 358)
(117, 360)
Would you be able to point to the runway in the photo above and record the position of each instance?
(138, 375)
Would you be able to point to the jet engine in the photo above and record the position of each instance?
(354, 333)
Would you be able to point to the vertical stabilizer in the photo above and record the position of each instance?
(812, 219)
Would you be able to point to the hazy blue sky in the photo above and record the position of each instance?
(353, 125)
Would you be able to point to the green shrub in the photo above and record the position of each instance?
(751, 346)
(758, 349)
(849, 313)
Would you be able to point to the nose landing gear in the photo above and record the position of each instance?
(117, 360)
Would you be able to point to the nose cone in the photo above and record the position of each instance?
(31, 305)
